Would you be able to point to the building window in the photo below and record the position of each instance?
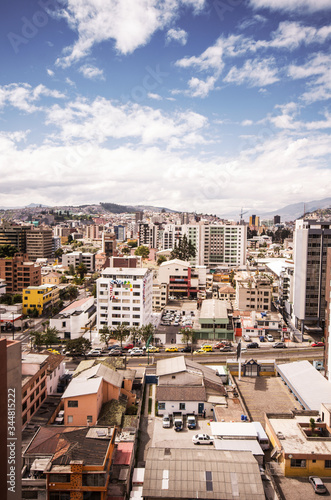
(161, 406)
(182, 406)
(298, 462)
(70, 419)
(328, 464)
(72, 404)
(89, 419)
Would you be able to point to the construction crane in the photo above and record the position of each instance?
(242, 213)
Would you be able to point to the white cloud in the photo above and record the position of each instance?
(23, 96)
(129, 23)
(246, 123)
(179, 182)
(103, 119)
(177, 35)
(255, 73)
(318, 72)
(287, 37)
(156, 97)
(70, 82)
(91, 72)
(292, 5)
(50, 72)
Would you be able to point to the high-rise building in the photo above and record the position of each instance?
(39, 244)
(10, 419)
(254, 220)
(148, 235)
(10, 234)
(276, 219)
(124, 296)
(19, 273)
(109, 244)
(311, 242)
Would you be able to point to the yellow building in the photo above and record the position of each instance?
(40, 298)
(51, 279)
(300, 451)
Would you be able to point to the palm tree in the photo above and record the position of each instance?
(121, 332)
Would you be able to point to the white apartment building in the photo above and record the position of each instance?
(75, 319)
(216, 244)
(124, 295)
(76, 258)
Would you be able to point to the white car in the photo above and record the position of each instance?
(269, 338)
(202, 439)
(136, 352)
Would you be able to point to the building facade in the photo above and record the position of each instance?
(39, 244)
(124, 296)
(19, 273)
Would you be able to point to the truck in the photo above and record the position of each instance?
(177, 418)
(191, 421)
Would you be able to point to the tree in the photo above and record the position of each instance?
(126, 250)
(184, 250)
(187, 335)
(58, 253)
(105, 334)
(146, 331)
(51, 336)
(69, 238)
(71, 269)
(312, 425)
(142, 251)
(161, 259)
(121, 332)
(36, 338)
(81, 269)
(7, 251)
(78, 347)
(132, 243)
(135, 333)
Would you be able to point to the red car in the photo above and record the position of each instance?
(318, 344)
(129, 346)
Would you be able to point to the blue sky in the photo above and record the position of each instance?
(190, 104)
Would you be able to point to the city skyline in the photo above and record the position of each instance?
(188, 104)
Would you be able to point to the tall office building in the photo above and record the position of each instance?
(124, 295)
(254, 220)
(19, 273)
(109, 244)
(311, 241)
(10, 234)
(39, 244)
(148, 235)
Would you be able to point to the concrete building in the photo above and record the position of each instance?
(19, 273)
(311, 241)
(39, 244)
(10, 419)
(75, 319)
(76, 258)
(124, 295)
(187, 386)
(148, 235)
(11, 234)
(34, 390)
(253, 292)
(160, 295)
(51, 279)
(40, 298)
(215, 321)
(109, 244)
(327, 352)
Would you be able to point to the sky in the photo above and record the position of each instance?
(194, 105)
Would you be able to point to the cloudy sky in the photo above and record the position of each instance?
(206, 105)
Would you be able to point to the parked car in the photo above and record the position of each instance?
(246, 338)
(95, 352)
(171, 349)
(317, 484)
(187, 348)
(317, 344)
(202, 439)
(200, 351)
(279, 345)
(207, 348)
(166, 422)
(114, 346)
(269, 337)
(253, 345)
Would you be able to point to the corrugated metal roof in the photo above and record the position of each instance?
(240, 429)
(309, 386)
(239, 445)
(170, 365)
(81, 386)
(202, 473)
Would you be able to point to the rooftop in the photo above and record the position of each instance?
(213, 308)
(201, 473)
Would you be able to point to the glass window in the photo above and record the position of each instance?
(72, 404)
(70, 419)
(161, 406)
(298, 462)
